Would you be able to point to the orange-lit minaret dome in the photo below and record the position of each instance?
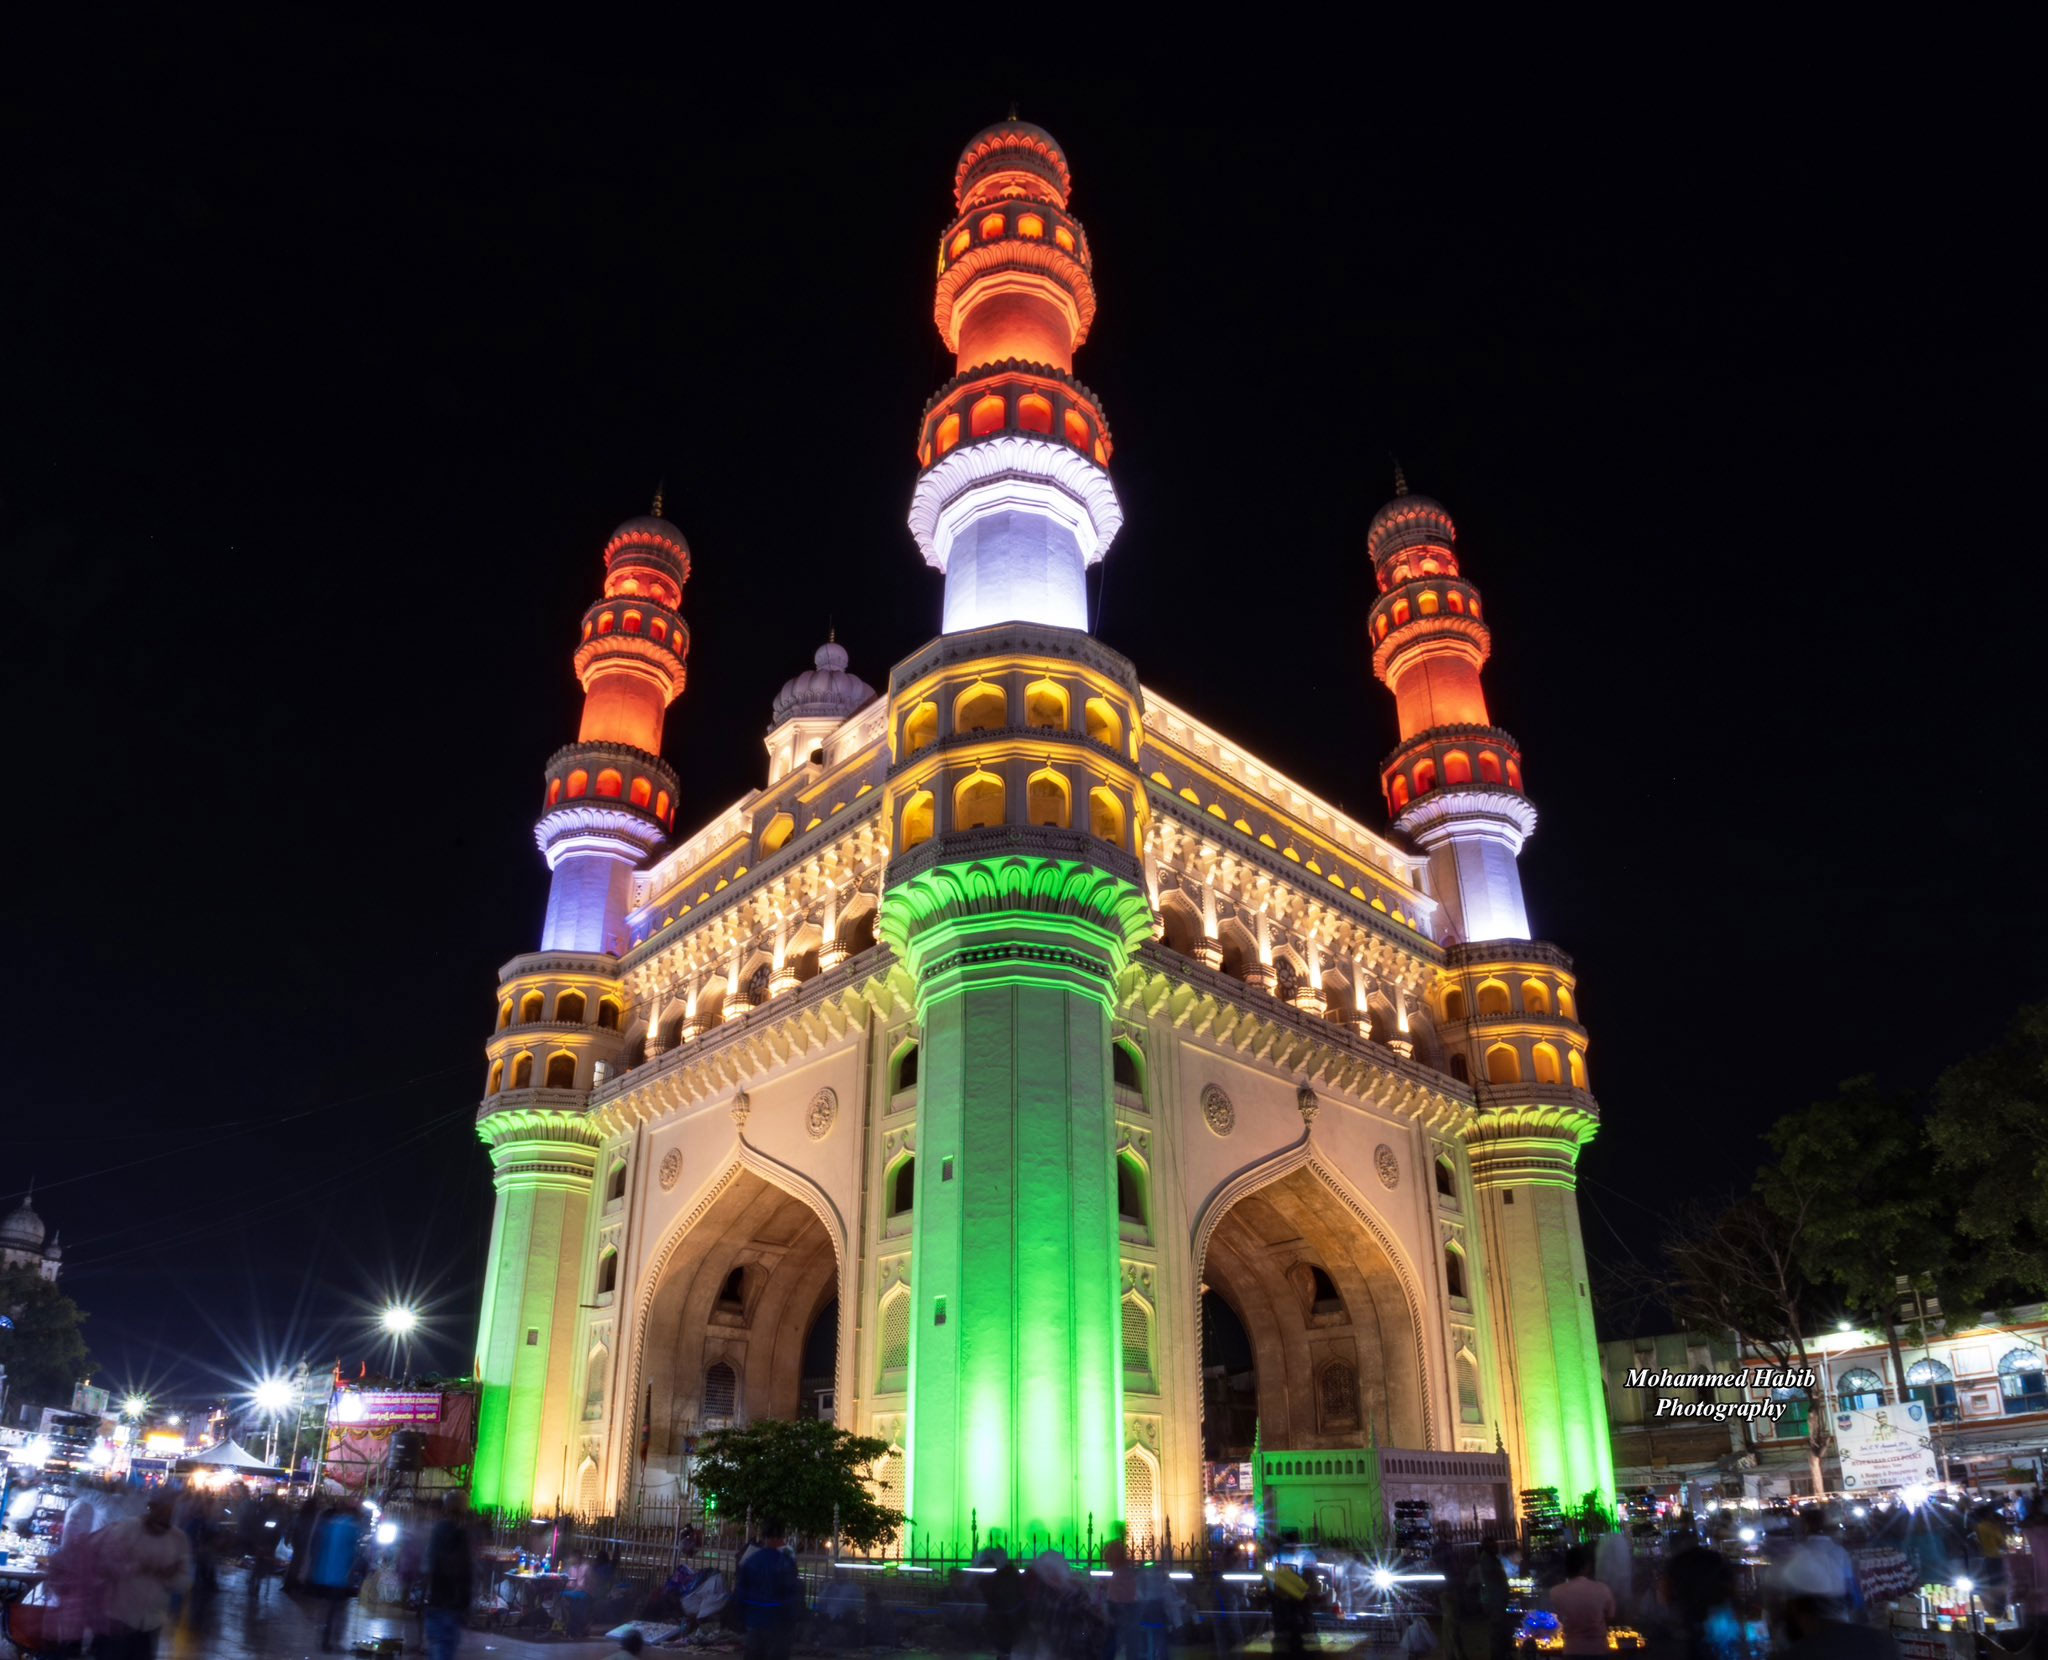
(611, 798)
(1013, 499)
(1454, 785)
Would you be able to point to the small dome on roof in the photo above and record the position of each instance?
(23, 1229)
(1012, 146)
(647, 525)
(1406, 521)
(824, 689)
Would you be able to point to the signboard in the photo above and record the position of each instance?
(1886, 1446)
(388, 1406)
(85, 1398)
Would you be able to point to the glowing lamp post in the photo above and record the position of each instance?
(272, 1396)
(399, 1323)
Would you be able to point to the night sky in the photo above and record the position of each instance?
(328, 366)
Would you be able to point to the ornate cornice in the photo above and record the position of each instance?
(1449, 809)
(1031, 465)
(1060, 875)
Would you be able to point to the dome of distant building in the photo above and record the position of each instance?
(23, 1229)
(823, 689)
(649, 526)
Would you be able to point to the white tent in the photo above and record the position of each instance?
(227, 1456)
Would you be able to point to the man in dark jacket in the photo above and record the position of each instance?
(770, 1594)
(451, 1583)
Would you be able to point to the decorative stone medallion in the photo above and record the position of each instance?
(671, 1168)
(1216, 1108)
(1306, 1103)
(824, 1108)
(1388, 1166)
(741, 1106)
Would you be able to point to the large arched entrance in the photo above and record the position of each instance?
(1320, 1306)
(733, 1333)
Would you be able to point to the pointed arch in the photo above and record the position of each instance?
(978, 801)
(983, 707)
(1141, 1499)
(917, 821)
(1048, 799)
(1047, 706)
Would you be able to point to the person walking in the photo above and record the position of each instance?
(770, 1594)
(145, 1562)
(1584, 1606)
(331, 1574)
(1483, 1606)
(1003, 1592)
(451, 1584)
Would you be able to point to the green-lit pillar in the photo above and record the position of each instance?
(1015, 938)
(544, 1163)
(1524, 1169)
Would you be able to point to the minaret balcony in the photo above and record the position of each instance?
(987, 265)
(993, 400)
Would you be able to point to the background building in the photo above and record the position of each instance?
(1017, 1009)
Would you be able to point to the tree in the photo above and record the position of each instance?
(806, 1473)
(1734, 1268)
(45, 1353)
(1990, 1132)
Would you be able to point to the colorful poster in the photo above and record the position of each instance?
(1886, 1446)
(387, 1406)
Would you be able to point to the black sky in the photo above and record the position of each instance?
(328, 365)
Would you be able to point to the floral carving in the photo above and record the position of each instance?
(1216, 1108)
(671, 1168)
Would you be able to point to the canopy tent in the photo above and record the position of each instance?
(229, 1456)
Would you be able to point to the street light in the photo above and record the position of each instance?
(134, 1406)
(399, 1321)
(272, 1396)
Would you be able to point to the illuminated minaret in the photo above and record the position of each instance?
(609, 801)
(1013, 499)
(1014, 895)
(1508, 1006)
(1454, 785)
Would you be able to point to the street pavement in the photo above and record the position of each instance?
(279, 1627)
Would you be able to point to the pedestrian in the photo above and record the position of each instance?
(331, 1574)
(451, 1584)
(1003, 1592)
(770, 1594)
(74, 1586)
(1120, 1600)
(1483, 1605)
(144, 1563)
(1814, 1627)
(1584, 1606)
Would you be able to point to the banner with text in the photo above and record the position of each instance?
(1886, 1446)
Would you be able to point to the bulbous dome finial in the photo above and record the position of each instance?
(823, 689)
(23, 1229)
(1012, 158)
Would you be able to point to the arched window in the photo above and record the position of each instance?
(610, 785)
(1426, 602)
(721, 1391)
(961, 243)
(1565, 1005)
(903, 1187)
(605, 623)
(1379, 626)
(903, 1074)
(1104, 726)
(1077, 429)
(1030, 227)
(1337, 1396)
(659, 629)
(522, 1072)
(1045, 800)
(1137, 1336)
(1473, 601)
(1547, 1069)
(895, 1329)
(1454, 1271)
(661, 805)
(1323, 1296)
(1575, 1068)
(992, 226)
(569, 1007)
(1489, 767)
(732, 1295)
(615, 1183)
(1503, 1065)
(1493, 999)
(1125, 1068)
(632, 622)
(531, 1007)
(780, 828)
(1130, 1189)
(1454, 1004)
(1045, 706)
(1457, 767)
(1446, 1179)
(607, 1272)
(1106, 815)
(1400, 613)
(607, 1014)
(554, 791)
(497, 1078)
(1425, 776)
(1461, 1069)
(981, 708)
(917, 821)
(920, 728)
(1861, 1390)
(1535, 997)
(948, 434)
(978, 802)
(579, 783)
(1034, 413)
(1514, 775)
(2022, 1384)
(642, 793)
(596, 1373)
(1141, 1501)
(988, 415)
(1455, 601)
(1064, 237)
(561, 1071)
(504, 1014)
(1397, 791)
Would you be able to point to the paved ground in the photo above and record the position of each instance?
(285, 1628)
